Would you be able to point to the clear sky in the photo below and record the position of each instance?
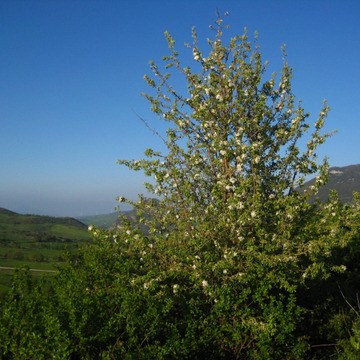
(71, 74)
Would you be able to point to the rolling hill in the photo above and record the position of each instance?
(104, 221)
(110, 221)
(36, 241)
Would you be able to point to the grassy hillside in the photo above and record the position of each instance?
(36, 241)
(104, 221)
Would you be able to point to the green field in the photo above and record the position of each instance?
(37, 242)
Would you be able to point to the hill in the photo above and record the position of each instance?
(345, 180)
(131, 216)
(110, 221)
(12, 217)
(104, 221)
(36, 241)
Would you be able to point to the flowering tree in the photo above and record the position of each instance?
(236, 263)
(231, 221)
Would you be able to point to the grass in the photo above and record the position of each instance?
(37, 242)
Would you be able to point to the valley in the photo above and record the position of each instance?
(37, 242)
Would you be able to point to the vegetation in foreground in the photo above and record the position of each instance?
(236, 264)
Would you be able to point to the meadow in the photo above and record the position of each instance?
(37, 242)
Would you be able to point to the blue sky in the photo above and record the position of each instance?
(72, 72)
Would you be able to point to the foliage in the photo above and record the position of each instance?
(28, 326)
(234, 259)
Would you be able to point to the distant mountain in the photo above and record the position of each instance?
(345, 180)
